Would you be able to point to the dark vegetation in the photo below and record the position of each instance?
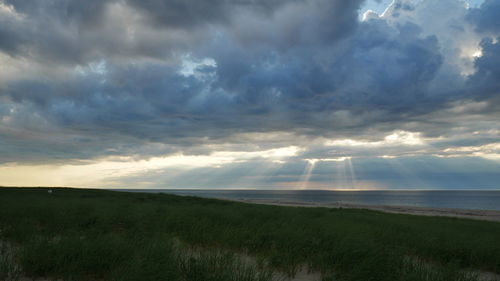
(76, 234)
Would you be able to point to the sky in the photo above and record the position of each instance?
(242, 94)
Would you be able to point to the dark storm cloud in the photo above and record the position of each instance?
(191, 13)
(378, 66)
(66, 10)
(486, 16)
(153, 100)
(49, 27)
(487, 76)
(486, 79)
(186, 73)
(78, 32)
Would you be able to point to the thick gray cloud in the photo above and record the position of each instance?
(90, 79)
(486, 17)
(487, 76)
(486, 79)
(189, 13)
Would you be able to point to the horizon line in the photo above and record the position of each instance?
(249, 189)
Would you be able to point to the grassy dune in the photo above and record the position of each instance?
(75, 234)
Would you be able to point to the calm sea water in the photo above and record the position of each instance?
(482, 200)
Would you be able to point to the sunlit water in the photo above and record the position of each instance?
(482, 200)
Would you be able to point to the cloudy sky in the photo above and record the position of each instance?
(272, 94)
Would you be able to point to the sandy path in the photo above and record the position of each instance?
(421, 211)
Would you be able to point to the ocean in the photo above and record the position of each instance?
(460, 199)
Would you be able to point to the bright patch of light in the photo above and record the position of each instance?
(477, 54)
(404, 137)
(190, 65)
(377, 6)
(396, 138)
(348, 142)
(388, 156)
(9, 11)
(489, 151)
(492, 147)
(369, 14)
(338, 159)
(352, 172)
(306, 176)
(100, 173)
(276, 153)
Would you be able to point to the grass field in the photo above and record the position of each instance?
(76, 234)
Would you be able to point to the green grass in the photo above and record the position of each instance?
(78, 234)
(9, 268)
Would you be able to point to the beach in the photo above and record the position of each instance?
(488, 215)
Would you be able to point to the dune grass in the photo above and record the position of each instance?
(77, 234)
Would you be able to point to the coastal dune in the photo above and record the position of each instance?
(189, 238)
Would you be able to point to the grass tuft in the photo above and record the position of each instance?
(10, 269)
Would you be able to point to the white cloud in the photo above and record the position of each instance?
(489, 151)
(396, 138)
(9, 12)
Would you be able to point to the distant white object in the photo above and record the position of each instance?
(50, 191)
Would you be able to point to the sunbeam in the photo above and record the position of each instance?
(306, 176)
(340, 179)
(352, 173)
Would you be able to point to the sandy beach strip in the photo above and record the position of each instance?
(421, 211)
